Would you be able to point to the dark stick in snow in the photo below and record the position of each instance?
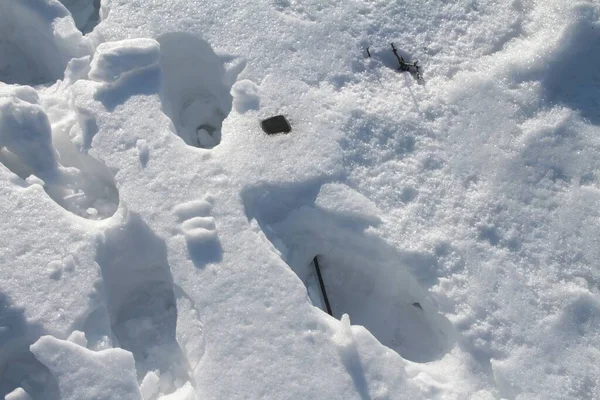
(325, 299)
(413, 68)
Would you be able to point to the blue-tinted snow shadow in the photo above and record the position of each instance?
(40, 47)
(353, 261)
(144, 81)
(140, 292)
(572, 77)
(196, 88)
(269, 203)
(18, 366)
(203, 252)
(351, 360)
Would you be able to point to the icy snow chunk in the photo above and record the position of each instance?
(113, 59)
(78, 337)
(77, 68)
(348, 351)
(25, 132)
(245, 96)
(149, 386)
(186, 392)
(343, 337)
(18, 394)
(200, 230)
(206, 223)
(208, 137)
(85, 374)
(192, 209)
(37, 40)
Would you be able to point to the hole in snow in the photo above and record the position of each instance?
(85, 13)
(36, 42)
(141, 300)
(30, 149)
(362, 274)
(195, 91)
(377, 293)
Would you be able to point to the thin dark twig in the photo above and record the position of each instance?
(322, 285)
(404, 66)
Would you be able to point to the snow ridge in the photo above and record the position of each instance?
(158, 246)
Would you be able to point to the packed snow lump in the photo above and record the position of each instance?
(422, 223)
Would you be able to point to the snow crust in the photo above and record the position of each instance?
(156, 244)
(38, 39)
(84, 374)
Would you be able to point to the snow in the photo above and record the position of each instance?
(156, 244)
(38, 40)
(84, 374)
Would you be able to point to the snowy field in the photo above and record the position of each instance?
(156, 244)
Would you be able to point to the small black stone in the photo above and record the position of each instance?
(275, 125)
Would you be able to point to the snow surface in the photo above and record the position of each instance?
(156, 244)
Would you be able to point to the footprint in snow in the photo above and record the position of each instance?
(193, 82)
(363, 276)
(195, 88)
(141, 300)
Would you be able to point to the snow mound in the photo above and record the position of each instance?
(115, 59)
(37, 40)
(200, 231)
(18, 394)
(85, 374)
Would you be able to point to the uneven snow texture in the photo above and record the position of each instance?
(84, 374)
(37, 40)
(156, 244)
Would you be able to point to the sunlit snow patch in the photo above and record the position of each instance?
(37, 40)
(363, 275)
